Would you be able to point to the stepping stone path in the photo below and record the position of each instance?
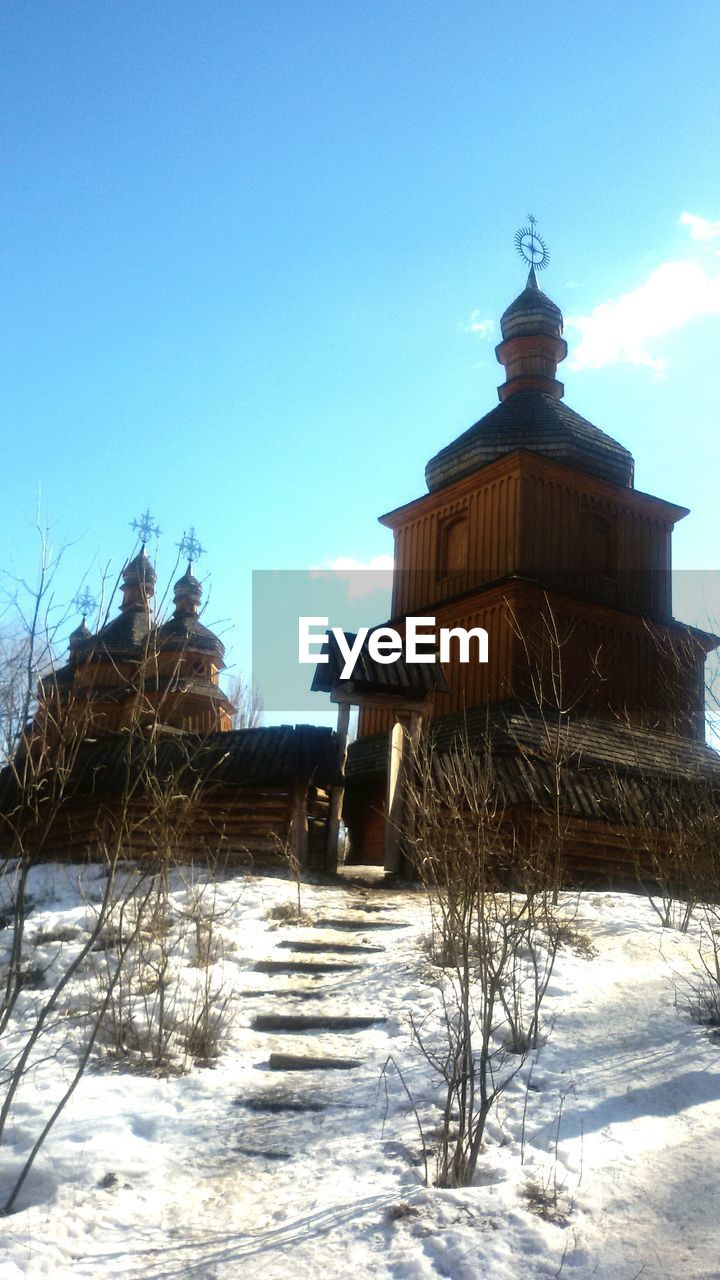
(338, 948)
(304, 966)
(273, 1116)
(312, 1022)
(298, 1062)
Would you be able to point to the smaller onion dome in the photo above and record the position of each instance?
(78, 638)
(531, 313)
(184, 631)
(139, 572)
(138, 582)
(187, 593)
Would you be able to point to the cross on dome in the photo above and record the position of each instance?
(189, 545)
(85, 603)
(146, 527)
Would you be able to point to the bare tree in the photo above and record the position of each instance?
(46, 745)
(248, 702)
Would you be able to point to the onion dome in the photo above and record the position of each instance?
(78, 638)
(139, 580)
(532, 345)
(187, 593)
(531, 414)
(185, 631)
(531, 313)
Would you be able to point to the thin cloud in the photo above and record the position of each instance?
(700, 228)
(484, 329)
(363, 577)
(344, 563)
(624, 330)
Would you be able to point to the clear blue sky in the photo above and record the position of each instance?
(244, 244)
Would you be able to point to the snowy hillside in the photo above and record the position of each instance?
(602, 1160)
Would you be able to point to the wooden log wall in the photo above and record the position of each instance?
(236, 825)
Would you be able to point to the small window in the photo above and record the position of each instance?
(453, 547)
(598, 550)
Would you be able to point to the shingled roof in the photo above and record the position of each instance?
(276, 755)
(540, 423)
(124, 636)
(610, 772)
(188, 633)
(410, 681)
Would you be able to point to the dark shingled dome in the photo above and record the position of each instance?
(532, 312)
(139, 572)
(540, 423)
(186, 632)
(125, 636)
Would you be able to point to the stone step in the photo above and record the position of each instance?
(280, 1106)
(300, 993)
(313, 1022)
(338, 947)
(296, 1062)
(343, 922)
(316, 968)
(265, 1153)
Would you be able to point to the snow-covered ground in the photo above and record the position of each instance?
(238, 1170)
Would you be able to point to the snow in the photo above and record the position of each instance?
(175, 1175)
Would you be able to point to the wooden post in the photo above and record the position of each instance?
(400, 816)
(299, 826)
(409, 809)
(393, 815)
(337, 792)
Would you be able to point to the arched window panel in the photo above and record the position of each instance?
(454, 547)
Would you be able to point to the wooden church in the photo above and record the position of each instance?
(592, 698)
(532, 528)
(133, 748)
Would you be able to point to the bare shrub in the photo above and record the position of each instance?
(206, 1023)
(288, 852)
(491, 906)
(703, 988)
(169, 1006)
(566, 934)
(674, 825)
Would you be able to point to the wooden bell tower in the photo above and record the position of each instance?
(532, 528)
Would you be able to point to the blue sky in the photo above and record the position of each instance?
(252, 249)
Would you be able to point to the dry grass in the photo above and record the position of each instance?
(287, 913)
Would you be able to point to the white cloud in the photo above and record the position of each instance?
(700, 228)
(622, 330)
(344, 563)
(483, 328)
(363, 577)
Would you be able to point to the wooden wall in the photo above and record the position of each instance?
(526, 515)
(607, 664)
(233, 824)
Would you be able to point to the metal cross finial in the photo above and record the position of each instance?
(146, 527)
(189, 545)
(531, 246)
(85, 603)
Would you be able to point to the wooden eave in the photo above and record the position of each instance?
(524, 462)
(347, 692)
(490, 593)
